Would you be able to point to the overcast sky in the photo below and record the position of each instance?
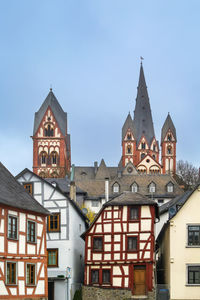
(89, 51)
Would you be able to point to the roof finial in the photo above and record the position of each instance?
(141, 58)
(50, 87)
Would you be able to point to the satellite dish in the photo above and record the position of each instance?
(85, 211)
(172, 212)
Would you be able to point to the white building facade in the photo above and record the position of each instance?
(65, 248)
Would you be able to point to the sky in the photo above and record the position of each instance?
(89, 52)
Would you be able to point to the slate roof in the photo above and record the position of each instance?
(86, 180)
(102, 171)
(168, 125)
(59, 114)
(179, 200)
(13, 194)
(142, 122)
(127, 124)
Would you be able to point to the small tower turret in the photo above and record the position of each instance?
(128, 142)
(168, 146)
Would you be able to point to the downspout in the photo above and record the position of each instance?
(106, 189)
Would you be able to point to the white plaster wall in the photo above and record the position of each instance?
(180, 255)
(60, 289)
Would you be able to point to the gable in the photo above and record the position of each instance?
(169, 137)
(129, 169)
(149, 163)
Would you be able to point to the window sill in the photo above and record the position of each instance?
(11, 284)
(198, 285)
(52, 266)
(12, 239)
(32, 243)
(53, 231)
(195, 246)
(31, 285)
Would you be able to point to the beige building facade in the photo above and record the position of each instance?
(179, 248)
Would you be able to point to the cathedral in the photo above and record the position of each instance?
(139, 144)
(140, 148)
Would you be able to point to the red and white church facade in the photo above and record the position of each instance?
(119, 248)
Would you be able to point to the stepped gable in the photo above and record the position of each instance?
(168, 125)
(59, 114)
(13, 194)
(127, 124)
(142, 122)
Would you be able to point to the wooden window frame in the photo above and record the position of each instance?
(16, 230)
(106, 282)
(57, 229)
(52, 250)
(30, 185)
(102, 244)
(127, 244)
(29, 283)
(10, 275)
(129, 213)
(29, 232)
(94, 282)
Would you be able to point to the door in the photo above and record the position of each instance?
(51, 290)
(139, 280)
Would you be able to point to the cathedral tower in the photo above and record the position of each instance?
(51, 142)
(139, 144)
(168, 145)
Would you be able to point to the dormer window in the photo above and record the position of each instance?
(152, 187)
(48, 131)
(170, 187)
(143, 146)
(134, 188)
(115, 187)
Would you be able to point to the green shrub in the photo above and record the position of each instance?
(78, 295)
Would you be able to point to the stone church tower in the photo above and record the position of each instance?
(139, 144)
(51, 141)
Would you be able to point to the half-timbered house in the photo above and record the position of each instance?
(23, 265)
(119, 249)
(65, 247)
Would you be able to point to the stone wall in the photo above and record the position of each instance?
(97, 293)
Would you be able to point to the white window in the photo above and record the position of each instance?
(152, 187)
(95, 203)
(134, 187)
(170, 187)
(115, 187)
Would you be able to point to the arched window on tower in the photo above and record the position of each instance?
(143, 146)
(128, 136)
(143, 155)
(43, 158)
(154, 147)
(54, 158)
(48, 131)
(169, 137)
(169, 150)
(129, 149)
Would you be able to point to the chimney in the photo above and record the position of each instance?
(95, 167)
(72, 192)
(106, 189)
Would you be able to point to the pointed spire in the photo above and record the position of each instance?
(142, 122)
(127, 124)
(168, 124)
